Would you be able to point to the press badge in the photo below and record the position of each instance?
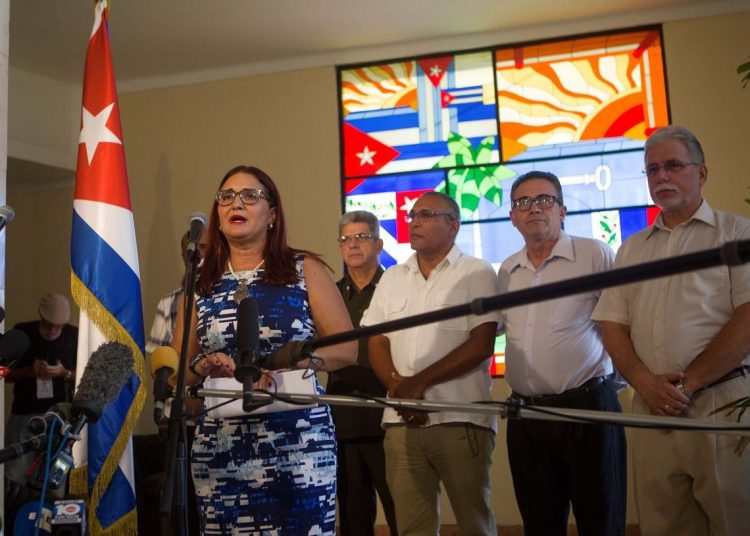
(44, 388)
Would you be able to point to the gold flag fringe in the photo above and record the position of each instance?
(112, 330)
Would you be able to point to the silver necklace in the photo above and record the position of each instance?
(241, 292)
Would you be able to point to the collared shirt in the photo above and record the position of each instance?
(162, 329)
(673, 319)
(553, 346)
(354, 422)
(403, 291)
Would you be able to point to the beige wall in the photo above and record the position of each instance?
(180, 141)
(706, 96)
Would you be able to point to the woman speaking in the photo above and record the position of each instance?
(275, 471)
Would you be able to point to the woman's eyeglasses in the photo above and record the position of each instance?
(248, 196)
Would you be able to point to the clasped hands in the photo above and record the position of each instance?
(413, 388)
(666, 394)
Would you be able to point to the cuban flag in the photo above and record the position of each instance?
(105, 284)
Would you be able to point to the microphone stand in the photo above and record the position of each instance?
(508, 409)
(730, 254)
(175, 480)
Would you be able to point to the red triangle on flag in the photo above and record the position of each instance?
(434, 68)
(363, 154)
(404, 202)
(445, 99)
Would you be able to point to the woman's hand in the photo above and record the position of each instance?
(218, 365)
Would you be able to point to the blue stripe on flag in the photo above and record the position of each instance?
(119, 498)
(117, 501)
(390, 119)
(110, 279)
(473, 111)
(393, 183)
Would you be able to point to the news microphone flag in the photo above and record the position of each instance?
(105, 284)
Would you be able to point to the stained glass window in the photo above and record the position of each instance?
(469, 123)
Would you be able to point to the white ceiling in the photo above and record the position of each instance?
(165, 42)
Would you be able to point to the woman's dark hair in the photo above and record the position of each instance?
(280, 260)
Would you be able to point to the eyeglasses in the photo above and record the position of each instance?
(670, 166)
(248, 196)
(350, 239)
(426, 215)
(523, 204)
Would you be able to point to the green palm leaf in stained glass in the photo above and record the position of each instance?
(469, 185)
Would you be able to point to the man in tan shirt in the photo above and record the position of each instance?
(683, 343)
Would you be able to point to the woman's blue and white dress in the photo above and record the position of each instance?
(273, 473)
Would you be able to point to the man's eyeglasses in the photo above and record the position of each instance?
(523, 204)
(248, 196)
(670, 166)
(425, 215)
(359, 237)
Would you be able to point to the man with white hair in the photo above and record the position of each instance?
(683, 343)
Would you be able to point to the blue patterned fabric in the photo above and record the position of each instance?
(274, 473)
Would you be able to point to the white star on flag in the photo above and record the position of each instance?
(365, 157)
(95, 131)
(435, 71)
(408, 203)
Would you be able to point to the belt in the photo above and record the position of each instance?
(555, 400)
(743, 370)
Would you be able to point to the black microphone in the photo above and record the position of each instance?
(7, 215)
(246, 371)
(164, 364)
(108, 369)
(16, 450)
(288, 355)
(39, 424)
(13, 346)
(198, 221)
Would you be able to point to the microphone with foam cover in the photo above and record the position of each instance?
(13, 345)
(164, 365)
(108, 369)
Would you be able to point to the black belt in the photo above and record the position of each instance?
(561, 398)
(743, 370)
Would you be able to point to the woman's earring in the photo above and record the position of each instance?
(270, 226)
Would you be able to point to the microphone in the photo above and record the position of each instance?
(198, 221)
(16, 450)
(108, 369)
(164, 364)
(288, 355)
(39, 424)
(246, 370)
(13, 346)
(7, 215)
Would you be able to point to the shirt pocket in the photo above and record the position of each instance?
(442, 299)
(396, 308)
(572, 310)
(705, 282)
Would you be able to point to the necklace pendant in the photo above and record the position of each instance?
(240, 293)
